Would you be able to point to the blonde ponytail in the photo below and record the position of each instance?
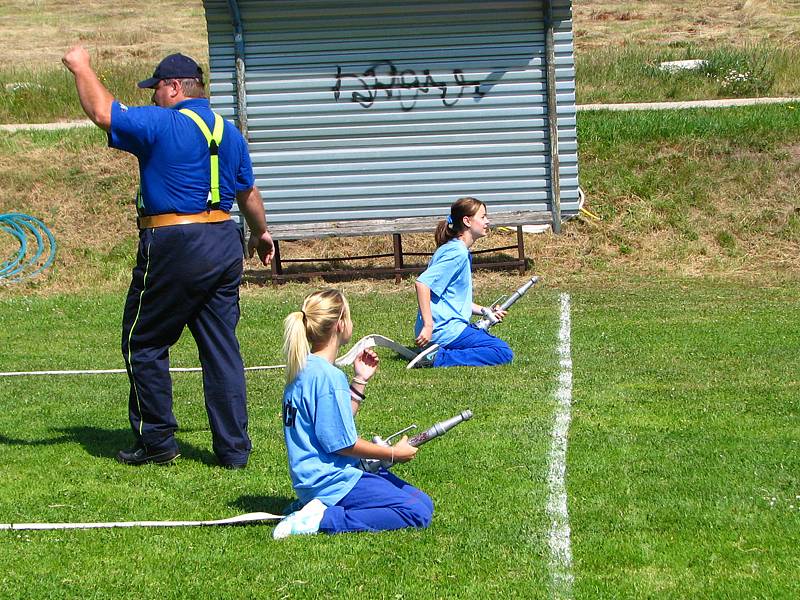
(295, 344)
(311, 328)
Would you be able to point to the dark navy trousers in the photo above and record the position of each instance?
(186, 276)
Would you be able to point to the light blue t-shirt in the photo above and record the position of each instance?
(318, 421)
(449, 275)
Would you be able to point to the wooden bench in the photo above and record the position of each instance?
(396, 228)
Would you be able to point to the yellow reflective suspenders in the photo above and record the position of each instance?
(139, 200)
(214, 140)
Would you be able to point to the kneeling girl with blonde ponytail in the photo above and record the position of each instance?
(320, 433)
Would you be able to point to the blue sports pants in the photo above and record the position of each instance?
(473, 348)
(379, 502)
(186, 276)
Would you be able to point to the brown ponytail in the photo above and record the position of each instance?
(454, 225)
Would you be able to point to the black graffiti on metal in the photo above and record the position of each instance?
(405, 85)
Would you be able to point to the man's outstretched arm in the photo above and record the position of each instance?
(95, 99)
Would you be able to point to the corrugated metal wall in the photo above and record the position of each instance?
(386, 109)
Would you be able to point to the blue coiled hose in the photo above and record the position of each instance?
(29, 261)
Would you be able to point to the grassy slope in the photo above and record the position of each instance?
(697, 192)
(619, 45)
(125, 39)
(688, 193)
(618, 48)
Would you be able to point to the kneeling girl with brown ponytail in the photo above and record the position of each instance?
(444, 294)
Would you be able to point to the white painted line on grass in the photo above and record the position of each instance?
(559, 539)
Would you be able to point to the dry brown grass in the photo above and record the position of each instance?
(738, 22)
(84, 195)
(36, 33)
(746, 226)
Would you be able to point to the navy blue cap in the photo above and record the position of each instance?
(175, 66)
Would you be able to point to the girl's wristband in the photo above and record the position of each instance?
(356, 395)
(358, 380)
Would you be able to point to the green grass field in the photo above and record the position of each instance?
(633, 74)
(683, 475)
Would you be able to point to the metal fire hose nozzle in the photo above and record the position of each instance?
(489, 319)
(440, 428)
(371, 465)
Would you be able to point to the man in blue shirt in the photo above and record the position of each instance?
(192, 166)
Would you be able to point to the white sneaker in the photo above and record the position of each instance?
(424, 359)
(301, 522)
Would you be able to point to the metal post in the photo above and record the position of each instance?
(521, 250)
(552, 116)
(398, 257)
(241, 84)
(276, 268)
(241, 98)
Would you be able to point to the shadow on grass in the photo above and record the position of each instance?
(270, 504)
(105, 443)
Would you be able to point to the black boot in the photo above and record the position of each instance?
(138, 455)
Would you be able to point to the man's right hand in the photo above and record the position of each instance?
(262, 244)
(76, 58)
(95, 99)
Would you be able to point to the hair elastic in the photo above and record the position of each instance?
(303, 313)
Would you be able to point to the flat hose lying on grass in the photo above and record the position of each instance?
(247, 519)
(30, 260)
(368, 341)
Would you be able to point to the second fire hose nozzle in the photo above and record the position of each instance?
(371, 465)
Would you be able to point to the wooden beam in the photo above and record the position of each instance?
(299, 231)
